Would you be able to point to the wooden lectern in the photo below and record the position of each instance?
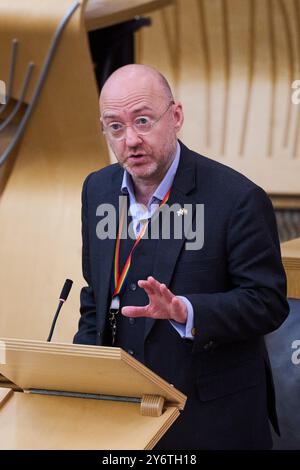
(290, 252)
(81, 397)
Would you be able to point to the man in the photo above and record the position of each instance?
(197, 316)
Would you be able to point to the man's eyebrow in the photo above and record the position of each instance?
(110, 115)
(141, 109)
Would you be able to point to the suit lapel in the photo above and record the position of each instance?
(168, 250)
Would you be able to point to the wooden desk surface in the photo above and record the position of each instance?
(291, 251)
(102, 13)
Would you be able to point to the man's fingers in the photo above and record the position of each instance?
(166, 293)
(147, 286)
(129, 311)
(153, 287)
(154, 283)
(160, 289)
(150, 285)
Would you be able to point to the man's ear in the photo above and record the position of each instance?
(178, 116)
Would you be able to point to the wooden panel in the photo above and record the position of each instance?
(102, 13)
(78, 368)
(5, 394)
(291, 261)
(40, 239)
(232, 64)
(285, 202)
(6, 168)
(291, 252)
(41, 422)
(38, 421)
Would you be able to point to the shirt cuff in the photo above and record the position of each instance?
(185, 330)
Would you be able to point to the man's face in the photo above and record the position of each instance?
(145, 157)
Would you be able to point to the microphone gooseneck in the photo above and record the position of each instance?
(62, 298)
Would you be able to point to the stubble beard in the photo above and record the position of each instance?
(154, 169)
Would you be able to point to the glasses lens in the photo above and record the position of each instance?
(143, 125)
(116, 130)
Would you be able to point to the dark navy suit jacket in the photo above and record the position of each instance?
(236, 285)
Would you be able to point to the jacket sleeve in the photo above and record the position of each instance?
(86, 333)
(256, 302)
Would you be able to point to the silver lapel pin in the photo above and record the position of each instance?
(182, 211)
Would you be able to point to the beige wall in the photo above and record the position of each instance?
(40, 240)
(232, 63)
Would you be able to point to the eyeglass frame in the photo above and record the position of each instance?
(131, 125)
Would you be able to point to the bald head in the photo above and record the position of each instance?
(138, 76)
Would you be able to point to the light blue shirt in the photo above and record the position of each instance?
(140, 213)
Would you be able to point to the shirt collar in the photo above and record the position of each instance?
(164, 186)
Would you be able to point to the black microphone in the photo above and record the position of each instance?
(62, 298)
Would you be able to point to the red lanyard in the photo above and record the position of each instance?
(119, 280)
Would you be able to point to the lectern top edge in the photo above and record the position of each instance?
(81, 369)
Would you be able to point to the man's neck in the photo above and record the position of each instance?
(144, 190)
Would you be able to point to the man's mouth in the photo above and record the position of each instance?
(137, 156)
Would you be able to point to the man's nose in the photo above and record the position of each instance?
(132, 138)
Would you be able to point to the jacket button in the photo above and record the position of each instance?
(133, 286)
(208, 345)
(130, 351)
(131, 321)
